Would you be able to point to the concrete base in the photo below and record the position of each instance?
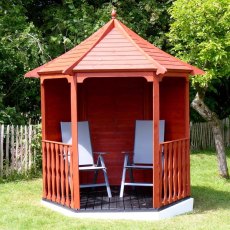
(174, 210)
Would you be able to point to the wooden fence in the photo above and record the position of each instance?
(16, 153)
(202, 137)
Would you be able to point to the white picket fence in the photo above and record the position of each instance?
(16, 154)
(202, 137)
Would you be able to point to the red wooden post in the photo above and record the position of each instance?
(43, 112)
(48, 151)
(67, 179)
(62, 175)
(57, 151)
(180, 152)
(170, 175)
(175, 167)
(75, 176)
(71, 174)
(44, 170)
(187, 125)
(44, 155)
(165, 177)
(156, 150)
(53, 174)
(162, 177)
(183, 167)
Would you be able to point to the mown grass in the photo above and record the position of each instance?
(20, 204)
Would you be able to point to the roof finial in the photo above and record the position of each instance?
(114, 14)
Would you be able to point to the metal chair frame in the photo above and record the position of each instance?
(142, 154)
(86, 161)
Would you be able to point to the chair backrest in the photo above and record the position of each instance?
(143, 143)
(84, 143)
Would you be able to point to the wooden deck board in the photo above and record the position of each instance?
(97, 199)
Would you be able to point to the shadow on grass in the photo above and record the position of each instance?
(26, 176)
(210, 199)
(211, 151)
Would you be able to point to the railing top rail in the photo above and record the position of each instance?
(56, 142)
(177, 140)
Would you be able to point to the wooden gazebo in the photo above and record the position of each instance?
(111, 79)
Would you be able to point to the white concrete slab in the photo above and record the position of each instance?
(174, 210)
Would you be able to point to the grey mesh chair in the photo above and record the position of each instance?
(86, 161)
(143, 152)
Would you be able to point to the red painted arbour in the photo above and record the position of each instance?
(111, 79)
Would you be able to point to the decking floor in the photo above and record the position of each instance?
(134, 199)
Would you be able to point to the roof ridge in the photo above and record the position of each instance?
(123, 27)
(107, 28)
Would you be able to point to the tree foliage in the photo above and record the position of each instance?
(21, 49)
(200, 34)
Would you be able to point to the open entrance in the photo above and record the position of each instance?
(112, 105)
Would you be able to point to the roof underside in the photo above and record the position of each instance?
(114, 47)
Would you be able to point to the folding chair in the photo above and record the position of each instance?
(143, 152)
(86, 162)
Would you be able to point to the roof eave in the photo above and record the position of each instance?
(113, 70)
(34, 73)
(41, 73)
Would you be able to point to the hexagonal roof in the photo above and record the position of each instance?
(114, 47)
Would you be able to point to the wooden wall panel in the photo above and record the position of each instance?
(57, 106)
(173, 107)
(111, 106)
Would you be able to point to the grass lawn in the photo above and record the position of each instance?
(20, 206)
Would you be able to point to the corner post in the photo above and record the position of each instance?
(43, 114)
(187, 107)
(187, 134)
(156, 150)
(75, 175)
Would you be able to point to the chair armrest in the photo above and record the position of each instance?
(127, 152)
(101, 153)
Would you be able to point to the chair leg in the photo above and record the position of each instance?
(123, 176)
(96, 171)
(105, 176)
(131, 177)
(95, 176)
(107, 183)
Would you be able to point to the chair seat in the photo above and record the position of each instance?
(138, 184)
(139, 166)
(92, 185)
(82, 168)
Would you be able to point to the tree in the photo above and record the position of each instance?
(64, 24)
(21, 49)
(200, 35)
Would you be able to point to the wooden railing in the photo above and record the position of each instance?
(175, 171)
(57, 173)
